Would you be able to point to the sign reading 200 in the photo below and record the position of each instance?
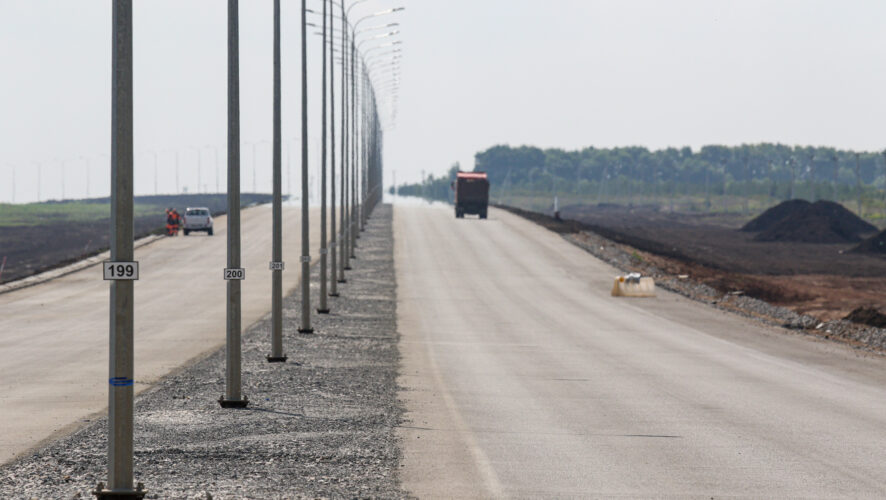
(237, 273)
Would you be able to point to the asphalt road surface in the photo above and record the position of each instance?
(54, 336)
(523, 377)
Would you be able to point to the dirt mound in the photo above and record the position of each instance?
(774, 215)
(867, 316)
(875, 245)
(819, 222)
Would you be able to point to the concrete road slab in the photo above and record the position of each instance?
(524, 378)
(54, 336)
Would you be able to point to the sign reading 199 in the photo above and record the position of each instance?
(120, 270)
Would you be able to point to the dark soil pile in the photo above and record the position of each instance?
(774, 215)
(874, 245)
(867, 316)
(819, 222)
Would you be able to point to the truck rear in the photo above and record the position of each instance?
(471, 193)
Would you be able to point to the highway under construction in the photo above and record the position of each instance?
(364, 345)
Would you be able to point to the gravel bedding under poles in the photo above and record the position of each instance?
(320, 425)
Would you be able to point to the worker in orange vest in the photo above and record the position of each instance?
(177, 221)
(170, 223)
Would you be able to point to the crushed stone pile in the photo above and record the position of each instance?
(801, 221)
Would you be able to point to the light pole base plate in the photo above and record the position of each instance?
(333, 294)
(101, 493)
(347, 268)
(233, 403)
(305, 330)
(323, 311)
(342, 281)
(276, 359)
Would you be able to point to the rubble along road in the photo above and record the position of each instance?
(523, 377)
(320, 425)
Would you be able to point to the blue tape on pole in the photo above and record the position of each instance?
(120, 381)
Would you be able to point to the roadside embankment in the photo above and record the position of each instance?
(625, 257)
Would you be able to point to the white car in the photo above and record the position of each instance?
(197, 219)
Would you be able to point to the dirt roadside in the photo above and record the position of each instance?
(814, 302)
(49, 244)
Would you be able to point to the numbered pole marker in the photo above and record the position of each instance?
(276, 266)
(237, 273)
(120, 270)
(306, 259)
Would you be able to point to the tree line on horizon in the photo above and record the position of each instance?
(760, 174)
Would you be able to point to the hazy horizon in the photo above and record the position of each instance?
(567, 74)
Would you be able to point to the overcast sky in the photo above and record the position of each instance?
(475, 73)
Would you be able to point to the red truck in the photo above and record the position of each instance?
(471, 193)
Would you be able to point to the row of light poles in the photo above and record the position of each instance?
(359, 186)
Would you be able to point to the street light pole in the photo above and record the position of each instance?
(333, 278)
(276, 265)
(305, 234)
(120, 393)
(233, 397)
(343, 216)
(323, 308)
(352, 229)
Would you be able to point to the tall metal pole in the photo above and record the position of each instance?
(333, 281)
(276, 265)
(343, 234)
(352, 229)
(120, 391)
(324, 308)
(305, 243)
(233, 397)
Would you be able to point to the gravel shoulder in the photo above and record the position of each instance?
(320, 425)
(630, 259)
